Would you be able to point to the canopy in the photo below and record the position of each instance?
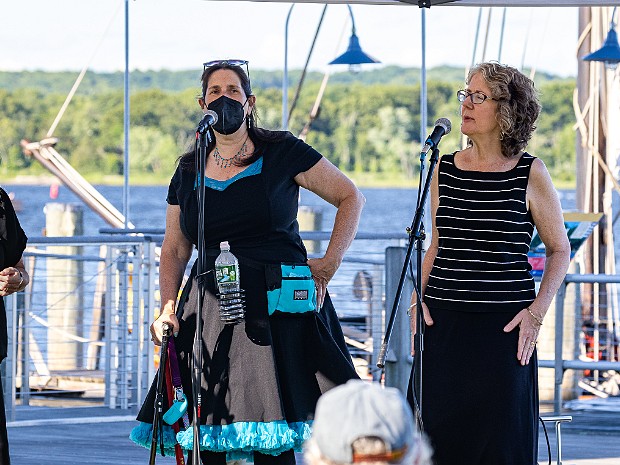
(426, 3)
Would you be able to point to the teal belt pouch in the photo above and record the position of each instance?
(290, 289)
(177, 410)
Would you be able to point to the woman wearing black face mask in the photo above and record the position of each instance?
(230, 112)
(262, 377)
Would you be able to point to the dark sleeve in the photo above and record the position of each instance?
(175, 183)
(296, 156)
(12, 235)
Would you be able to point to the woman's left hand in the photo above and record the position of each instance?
(323, 270)
(10, 281)
(528, 334)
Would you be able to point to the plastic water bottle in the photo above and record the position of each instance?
(230, 294)
(227, 270)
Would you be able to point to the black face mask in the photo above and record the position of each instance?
(230, 114)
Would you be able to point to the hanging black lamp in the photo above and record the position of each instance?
(354, 55)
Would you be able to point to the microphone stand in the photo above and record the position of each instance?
(159, 395)
(416, 238)
(203, 140)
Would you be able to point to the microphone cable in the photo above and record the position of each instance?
(546, 439)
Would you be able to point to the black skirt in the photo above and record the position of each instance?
(261, 379)
(479, 405)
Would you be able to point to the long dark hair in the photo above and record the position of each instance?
(260, 137)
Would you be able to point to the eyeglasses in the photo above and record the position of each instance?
(209, 64)
(475, 97)
(230, 62)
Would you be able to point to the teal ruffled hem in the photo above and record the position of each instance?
(142, 435)
(240, 440)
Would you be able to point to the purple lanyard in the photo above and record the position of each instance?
(177, 385)
(174, 364)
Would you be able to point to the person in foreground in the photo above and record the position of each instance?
(362, 423)
(13, 278)
(483, 316)
(261, 378)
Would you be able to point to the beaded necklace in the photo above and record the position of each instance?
(224, 162)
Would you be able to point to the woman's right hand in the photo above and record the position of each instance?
(157, 330)
(413, 319)
(12, 280)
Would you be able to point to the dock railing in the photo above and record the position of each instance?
(584, 337)
(80, 331)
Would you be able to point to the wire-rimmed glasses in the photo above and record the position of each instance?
(475, 97)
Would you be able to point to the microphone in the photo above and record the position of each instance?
(209, 119)
(442, 127)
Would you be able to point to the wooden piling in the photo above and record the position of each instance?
(65, 314)
(310, 219)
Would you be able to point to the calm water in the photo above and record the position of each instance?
(386, 210)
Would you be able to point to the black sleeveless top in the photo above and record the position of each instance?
(485, 230)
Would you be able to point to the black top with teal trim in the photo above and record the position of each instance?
(256, 211)
(485, 230)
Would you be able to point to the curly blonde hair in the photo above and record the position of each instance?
(517, 104)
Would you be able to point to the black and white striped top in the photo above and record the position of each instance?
(485, 230)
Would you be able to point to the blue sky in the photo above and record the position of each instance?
(181, 34)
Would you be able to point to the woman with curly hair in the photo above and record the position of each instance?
(480, 307)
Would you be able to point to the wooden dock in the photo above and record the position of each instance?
(99, 436)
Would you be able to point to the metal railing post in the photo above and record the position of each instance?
(559, 340)
(110, 333)
(147, 369)
(9, 364)
(23, 339)
(136, 324)
(377, 319)
(153, 304)
(140, 285)
(122, 316)
(398, 360)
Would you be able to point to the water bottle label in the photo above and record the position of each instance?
(226, 274)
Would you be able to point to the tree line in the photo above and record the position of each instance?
(365, 126)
